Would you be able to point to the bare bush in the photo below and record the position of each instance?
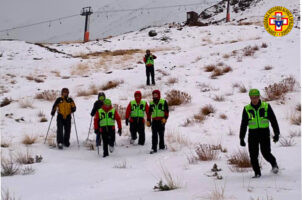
(216, 72)
(218, 98)
(6, 101)
(250, 51)
(242, 89)
(29, 139)
(192, 157)
(209, 68)
(218, 193)
(205, 152)
(25, 158)
(27, 170)
(227, 69)
(296, 133)
(26, 103)
(207, 109)
(240, 160)
(268, 67)
(121, 165)
(6, 194)
(226, 56)
(295, 119)
(170, 182)
(287, 142)
(5, 143)
(264, 45)
(111, 84)
(200, 117)
(298, 107)
(172, 81)
(175, 140)
(278, 90)
(223, 116)
(29, 77)
(48, 95)
(8, 167)
(38, 80)
(176, 98)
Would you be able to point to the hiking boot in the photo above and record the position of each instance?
(153, 151)
(111, 149)
(132, 141)
(275, 169)
(257, 175)
(60, 146)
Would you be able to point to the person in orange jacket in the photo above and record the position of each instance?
(104, 124)
(135, 114)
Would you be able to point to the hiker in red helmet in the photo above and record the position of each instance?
(135, 114)
(149, 61)
(65, 106)
(159, 112)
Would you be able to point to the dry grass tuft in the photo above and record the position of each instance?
(268, 67)
(176, 98)
(29, 139)
(250, 51)
(206, 152)
(278, 90)
(264, 45)
(207, 109)
(172, 81)
(80, 69)
(240, 161)
(25, 158)
(6, 101)
(287, 142)
(170, 182)
(295, 119)
(8, 167)
(121, 165)
(209, 68)
(242, 89)
(5, 143)
(296, 133)
(298, 107)
(26, 103)
(223, 116)
(5, 194)
(111, 84)
(219, 98)
(175, 141)
(227, 69)
(216, 72)
(48, 95)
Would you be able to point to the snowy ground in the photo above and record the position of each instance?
(81, 174)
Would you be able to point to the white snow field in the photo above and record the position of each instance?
(131, 172)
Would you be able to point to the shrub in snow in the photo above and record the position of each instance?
(27, 170)
(111, 84)
(6, 195)
(8, 167)
(295, 119)
(278, 90)
(223, 116)
(48, 95)
(298, 107)
(240, 161)
(218, 98)
(287, 142)
(207, 109)
(206, 152)
(209, 68)
(29, 139)
(169, 183)
(242, 89)
(121, 165)
(25, 158)
(26, 103)
(172, 81)
(264, 45)
(6, 101)
(176, 98)
(268, 67)
(5, 143)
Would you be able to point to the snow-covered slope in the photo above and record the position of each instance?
(81, 174)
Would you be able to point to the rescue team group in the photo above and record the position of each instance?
(256, 116)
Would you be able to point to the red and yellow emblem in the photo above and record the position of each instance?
(278, 21)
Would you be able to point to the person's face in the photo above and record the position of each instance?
(155, 96)
(137, 97)
(255, 99)
(148, 52)
(65, 94)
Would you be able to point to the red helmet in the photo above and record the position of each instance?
(156, 92)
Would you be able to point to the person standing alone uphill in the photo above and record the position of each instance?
(149, 61)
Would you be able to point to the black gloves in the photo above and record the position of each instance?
(119, 131)
(276, 138)
(53, 112)
(242, 142)
(96, 131)
(127, 121)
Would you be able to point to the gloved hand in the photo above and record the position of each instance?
(276, 138)
(53, 112)
(96, 131)
(242, 143)
(163, 121)
(127, 121)
(119, 131)
(148, 123)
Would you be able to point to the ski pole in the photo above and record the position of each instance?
(76, 130)
(89, 129)
(48, 129)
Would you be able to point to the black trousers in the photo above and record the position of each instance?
(150, 71)
(158, 131)
(138, 126)
(108, 136)
(63, 129)
(263, 140)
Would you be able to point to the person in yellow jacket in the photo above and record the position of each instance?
(65, 106)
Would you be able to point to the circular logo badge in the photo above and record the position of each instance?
(278, 21)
